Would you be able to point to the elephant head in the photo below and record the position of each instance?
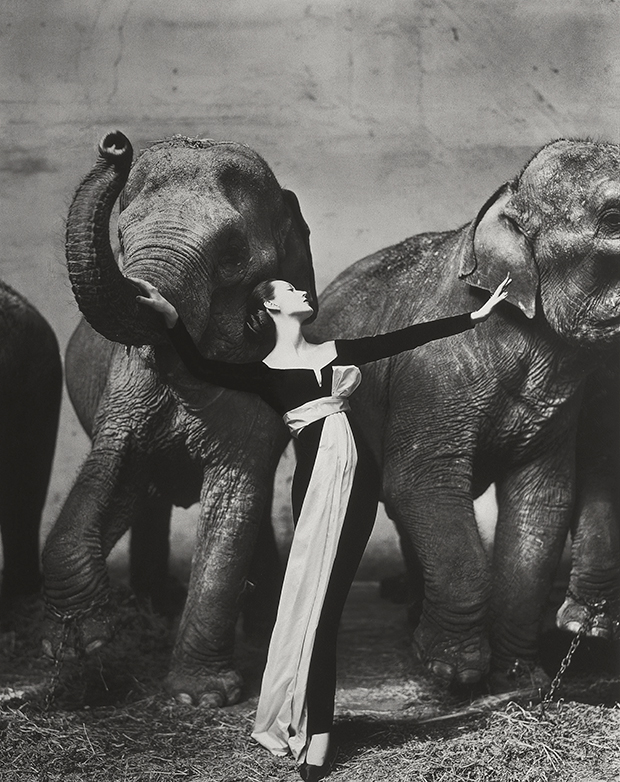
(204, 221)
(556, 230)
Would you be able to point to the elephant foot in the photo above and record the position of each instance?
(593, 617)
(517, 675)
(460, 659)
(205, 689)
(65, 637)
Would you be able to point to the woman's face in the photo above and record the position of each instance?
(289, 301)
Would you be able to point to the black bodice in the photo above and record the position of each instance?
(286, 389)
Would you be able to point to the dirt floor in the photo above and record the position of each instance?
(106, 718)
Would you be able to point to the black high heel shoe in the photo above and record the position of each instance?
(311, 773)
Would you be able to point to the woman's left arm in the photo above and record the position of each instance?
(366, 349)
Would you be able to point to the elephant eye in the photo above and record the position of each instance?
(233, 257)
(611, 220)
(234, 251)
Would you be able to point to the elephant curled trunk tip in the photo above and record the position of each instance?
(116, 148)
(104, 295)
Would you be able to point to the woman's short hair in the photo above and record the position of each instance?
(258, 322)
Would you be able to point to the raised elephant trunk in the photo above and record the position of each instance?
(104, 295)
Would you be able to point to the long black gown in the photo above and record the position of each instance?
(334, 496)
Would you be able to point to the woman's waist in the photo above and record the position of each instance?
(313, 410)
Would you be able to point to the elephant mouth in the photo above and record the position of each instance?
(602, 331)
(610, 323)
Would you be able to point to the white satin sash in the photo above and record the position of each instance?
(281, 715)
(301, 416)
(345, 379)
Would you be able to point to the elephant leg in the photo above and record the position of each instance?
(534, 508)
(593, 598)
(405, 588)
(202, 671)
(435, 508)
(98, 510)
(22, 494)
(27, 442)
(149, 552)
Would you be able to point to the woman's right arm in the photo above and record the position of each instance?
(238, 377)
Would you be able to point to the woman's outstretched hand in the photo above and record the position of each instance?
(153, 298)
(499, 294)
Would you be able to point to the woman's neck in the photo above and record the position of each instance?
(289, 337)
(292, 351)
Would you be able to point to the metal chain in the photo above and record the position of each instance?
(593, 607)
(50, 695)
(67, 621)
(557, 679)
(67, 618)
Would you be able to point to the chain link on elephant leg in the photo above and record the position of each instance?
(593, 608)
(67, 617)
(54, 680)
(67, 622)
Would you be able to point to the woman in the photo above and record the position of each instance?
(334, 495)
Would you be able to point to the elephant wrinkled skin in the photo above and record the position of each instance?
(501, 404)
(204, 221)
(30, 388)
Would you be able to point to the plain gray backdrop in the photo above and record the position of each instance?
(387, 118)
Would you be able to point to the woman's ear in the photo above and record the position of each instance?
(271, 307)
(496, 246)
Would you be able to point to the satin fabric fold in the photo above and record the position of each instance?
(301, 416)
(281, 716)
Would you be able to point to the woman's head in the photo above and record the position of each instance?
(258, 322)
(271, 299)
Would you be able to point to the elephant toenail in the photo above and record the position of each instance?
(234, 696)
(211, 700)
(469, 677)
(573, 627)
(93, 646)
(184, 698)
(442, 670)
(600, 632)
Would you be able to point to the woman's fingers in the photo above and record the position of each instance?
(501, 292)
(146, 286)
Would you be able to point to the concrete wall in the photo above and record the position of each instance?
(387, 118)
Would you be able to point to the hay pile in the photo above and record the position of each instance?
(155, 740)
(106, 719)
(569, 743)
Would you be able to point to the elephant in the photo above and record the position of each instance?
(30, 393)
(512, 402)
(204, 221)
(594, 528)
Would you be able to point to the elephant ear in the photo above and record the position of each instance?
(296, 264)
(494, 246)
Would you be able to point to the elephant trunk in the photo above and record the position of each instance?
(104, 295)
